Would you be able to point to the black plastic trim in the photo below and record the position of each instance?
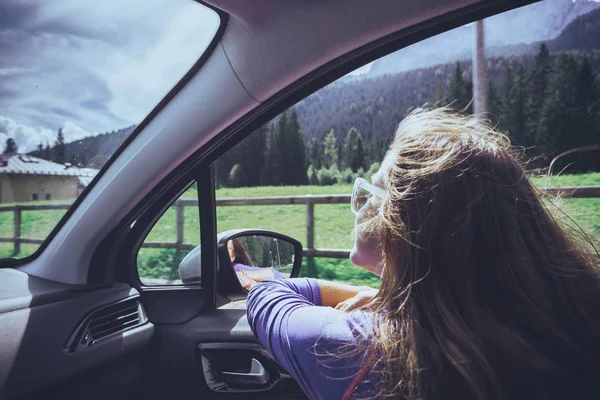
(207, 353)
(208, 234)
(228, 284)
(73, 343)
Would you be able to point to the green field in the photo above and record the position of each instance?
(333, 224)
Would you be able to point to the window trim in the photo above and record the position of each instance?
(223, 19)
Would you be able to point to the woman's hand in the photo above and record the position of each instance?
(246, 282)
(359, 300)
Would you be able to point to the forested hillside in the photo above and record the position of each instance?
(546, 98)
(89, 152)
(374, 106)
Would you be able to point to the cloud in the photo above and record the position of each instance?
(74, 132)
(27, 137)
(92, 72)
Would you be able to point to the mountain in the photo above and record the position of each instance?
(376, 102)
(582, 34)
(373, 105)
(537, 22)
(92, 151)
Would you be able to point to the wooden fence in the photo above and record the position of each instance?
(309, 201)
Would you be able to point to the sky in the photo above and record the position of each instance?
(536, 22)
(90, 66)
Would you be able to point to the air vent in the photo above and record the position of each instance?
(109, 320)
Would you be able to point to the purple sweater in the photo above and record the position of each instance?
(316, 345)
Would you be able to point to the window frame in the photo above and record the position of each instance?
(198, 167)
(134, 276)
(179, 85)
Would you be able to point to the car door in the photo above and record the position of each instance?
(194, 345)
(189, 327)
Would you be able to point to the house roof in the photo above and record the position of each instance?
(85, 180)
(29, 165)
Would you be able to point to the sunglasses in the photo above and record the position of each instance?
(362, 192)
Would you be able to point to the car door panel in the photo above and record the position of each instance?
(37, 319)
(174, 305)
(175, 343)
(197, 353)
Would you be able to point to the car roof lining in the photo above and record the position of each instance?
(312, 33)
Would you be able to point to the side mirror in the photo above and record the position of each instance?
(248, 256)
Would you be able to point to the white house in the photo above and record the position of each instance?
(27, 178)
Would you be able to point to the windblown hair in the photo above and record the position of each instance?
(241, 256)
(484, 295)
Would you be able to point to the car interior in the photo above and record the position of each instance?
(76, 320)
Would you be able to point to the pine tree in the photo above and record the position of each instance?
(276, 150)
(252, 158)
(504, 115)
(10, 147)
(353, 153)
(494, 104)
(555, 129)
(586, 117)
(47, 152)
(516, 107)
(95, 161)
(60, 155)
(269, 173)
(538, 84)
(376, 150)
(294, 152)
(460, 92)
(339, 150)
(330, 150)
(315, 153)
(440, 95)
(40, 150)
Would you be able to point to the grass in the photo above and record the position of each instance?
(333, 224)
(591, 179)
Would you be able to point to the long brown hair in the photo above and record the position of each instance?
(241, 256)
(483, 295)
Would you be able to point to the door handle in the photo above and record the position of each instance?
(257, 375)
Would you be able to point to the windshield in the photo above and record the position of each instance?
(76, 77)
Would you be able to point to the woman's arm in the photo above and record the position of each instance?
(333, 293)
(258, 273)
(285, 316)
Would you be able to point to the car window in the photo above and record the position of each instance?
(538, 82)
(76, 77)
(175, 236)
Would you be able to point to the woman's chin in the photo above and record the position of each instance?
(357, 259)
(354, 259)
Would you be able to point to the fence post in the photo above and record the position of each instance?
(310, 237)
(17, 230)
(180, 217)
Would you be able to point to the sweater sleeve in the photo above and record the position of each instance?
(307, 340)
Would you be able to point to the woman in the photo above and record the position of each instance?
(483, 295)
(247, 274)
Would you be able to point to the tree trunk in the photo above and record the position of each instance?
(479, 72)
